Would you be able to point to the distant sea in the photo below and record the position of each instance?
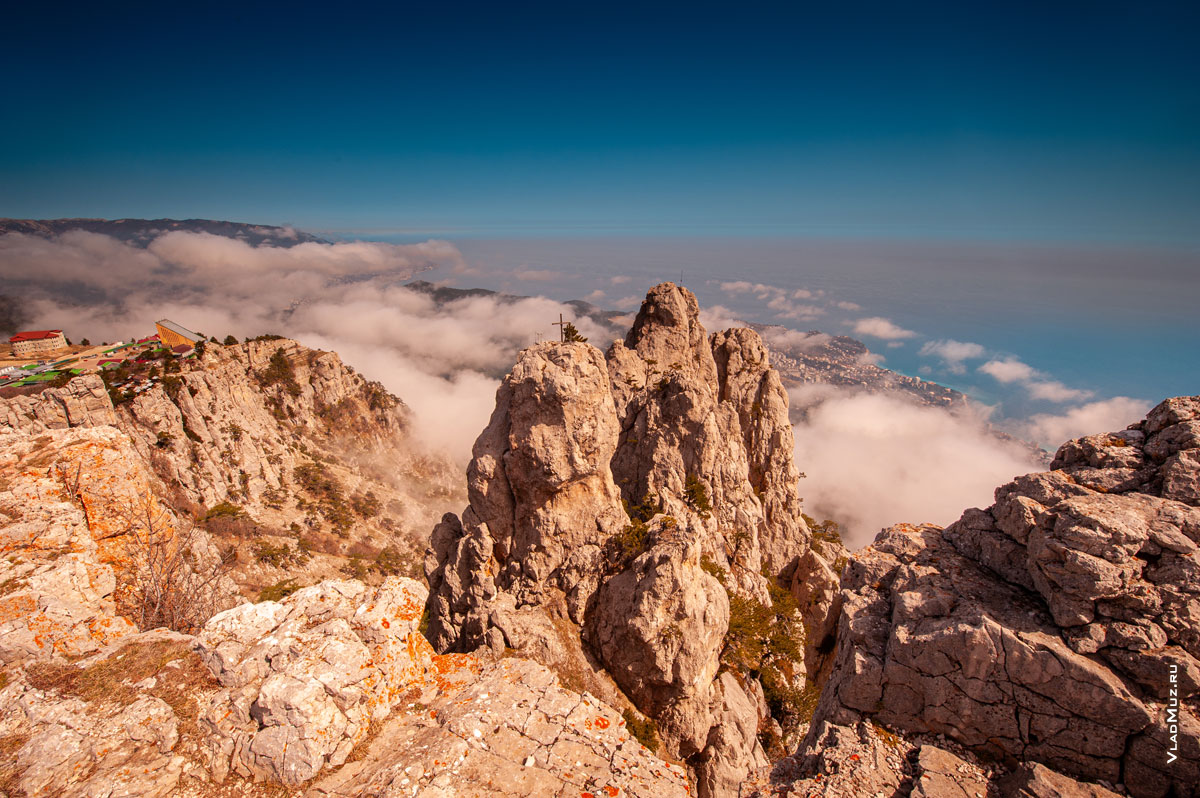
(1108, 320)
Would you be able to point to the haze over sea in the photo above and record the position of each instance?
(1105, 321)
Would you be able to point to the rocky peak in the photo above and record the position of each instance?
(667, 329)
(618, 505)
(1061, 625)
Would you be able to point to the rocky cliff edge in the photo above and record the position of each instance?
(628, 508)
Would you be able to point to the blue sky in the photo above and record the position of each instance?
(1062, 122)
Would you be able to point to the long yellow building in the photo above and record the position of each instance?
(174, 335)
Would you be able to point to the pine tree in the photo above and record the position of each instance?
(571, 335)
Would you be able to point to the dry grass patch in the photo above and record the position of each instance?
(111, 679)
(9, 776)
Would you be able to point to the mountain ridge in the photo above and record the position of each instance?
(140, 232)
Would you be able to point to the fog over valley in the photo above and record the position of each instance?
(871, 457)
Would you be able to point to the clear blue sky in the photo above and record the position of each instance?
(1056, 121)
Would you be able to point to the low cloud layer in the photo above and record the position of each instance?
(953, 354)
(444, 361)
(885, 329)
(1051, 431)
(1037, 383)
(873, 460)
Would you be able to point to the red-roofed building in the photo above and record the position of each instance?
(37, 342)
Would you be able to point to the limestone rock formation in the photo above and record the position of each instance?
(229, 427)
(1060, 626)
(303, 680)
(225, 432)
(504, 729)
(616, 504)
(332, 692)
(74, 509)
(82, 402)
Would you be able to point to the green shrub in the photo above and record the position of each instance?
(367, 505)
(746, 638)
(279, 590)
(650, 506)
(697, 495)
(279, 371)
(632, 540)
(644, 730)
(766, 643)
(390, 561)
(223, 510)
(710, 567)
(355, 569)
(279, 556)
(827, 531)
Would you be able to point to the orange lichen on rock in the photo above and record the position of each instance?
(454, 671)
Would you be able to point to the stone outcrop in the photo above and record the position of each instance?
(509, 730)
(1059, 626)
(608, 494)
(303, 680)
(82, 402)
(332, 692)
(71, 500)
(224, 433)
(228, 428)
(68, 746)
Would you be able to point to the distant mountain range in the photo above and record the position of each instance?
(140, 232)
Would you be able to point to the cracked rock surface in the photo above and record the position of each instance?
(601, 484)
(1045, 628)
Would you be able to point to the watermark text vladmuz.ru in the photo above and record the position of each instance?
(1173, 715)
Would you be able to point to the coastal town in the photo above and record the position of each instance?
(46, 357)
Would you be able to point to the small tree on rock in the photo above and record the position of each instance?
(571, 335)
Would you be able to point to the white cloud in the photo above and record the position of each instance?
(1011, 369)
(847, 305)
(620, 279)
(952, 353)
(873, 460)
(443, 361)
(787, 308)
(737, 287)
(719, 317)
(783, 338)
(1055, 391)
(1051, 431)
(878, 327)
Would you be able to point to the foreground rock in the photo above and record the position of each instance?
(304, 679)
(1059, 626)
(289, 436)
(331, 692)
(510, 731)
(80, 528)
(619, 506)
